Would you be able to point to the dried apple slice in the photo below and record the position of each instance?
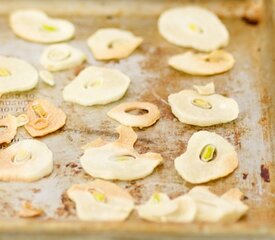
(208, 157)
(36, 26)
(16, 75)
(25, 161)
(118, 160)
(63, 56)
(212, 208)
(193, 108)
(204, 64)
(47, 77)
(112, 43)
(193, 27)
(121, 113)
(44, 118)
(101, 201)
(207, 89)
(96, 86)
(8, 127)
(22, 119)
(159, 208)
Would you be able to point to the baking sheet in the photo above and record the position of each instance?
(249, 82)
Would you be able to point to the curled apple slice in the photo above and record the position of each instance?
(160, 208)
(211, 208)
(118, 160)
(122, 114)
(101, 201)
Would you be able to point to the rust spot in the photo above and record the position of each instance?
(69, 137)
(245, 175)
(265, 173)
(135, 191)
(57, 165)
(142, 145)
(9, 208)
(265, 97)
(264, 121)
(175, 194)
(71, 165)
(67, 207)
(237, 137)
(36, 190)
(238, 133)
(77, 171)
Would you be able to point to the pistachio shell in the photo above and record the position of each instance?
(112, 43)
(193, 27)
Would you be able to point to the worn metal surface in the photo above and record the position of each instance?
(249, 82)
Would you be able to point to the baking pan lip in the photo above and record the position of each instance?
(77, 227)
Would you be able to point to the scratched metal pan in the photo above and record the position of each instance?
(250, 82)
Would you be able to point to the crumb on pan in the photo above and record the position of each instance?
(29, 211)
(245, 176)
(67, 208)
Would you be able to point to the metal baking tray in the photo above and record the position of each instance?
(250, 82)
